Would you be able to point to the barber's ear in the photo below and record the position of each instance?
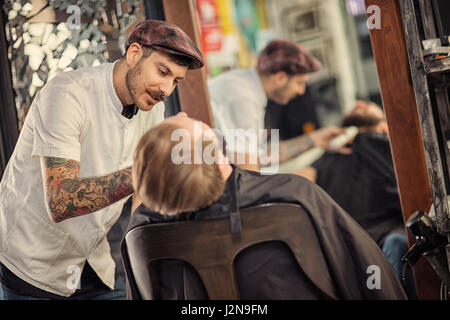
(280, 78)
(134, 53)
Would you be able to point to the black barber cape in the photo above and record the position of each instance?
(269, 271)
(363, 184)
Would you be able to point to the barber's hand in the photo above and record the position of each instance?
(322, 137)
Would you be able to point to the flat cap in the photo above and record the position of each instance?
(166, 37)
(287, 56)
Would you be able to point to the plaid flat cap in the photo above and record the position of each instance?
(166, 37)
(287, 56)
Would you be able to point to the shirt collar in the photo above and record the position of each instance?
(130, 111)
(111, 90)
(259, 87)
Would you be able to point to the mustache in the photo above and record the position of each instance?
(157, 95)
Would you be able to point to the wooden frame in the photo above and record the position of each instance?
(425, 114)
(411, 163)
(194, 95)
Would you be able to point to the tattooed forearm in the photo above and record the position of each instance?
(70, 196)
(294, 147)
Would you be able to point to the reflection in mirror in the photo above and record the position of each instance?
(358, 173)
(233, 33)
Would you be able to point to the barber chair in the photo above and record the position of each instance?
(210, 248)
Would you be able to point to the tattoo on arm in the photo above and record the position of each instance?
(70, 196)
(294, 147)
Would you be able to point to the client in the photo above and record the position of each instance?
(173, 190)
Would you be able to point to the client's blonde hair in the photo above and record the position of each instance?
(170, 188)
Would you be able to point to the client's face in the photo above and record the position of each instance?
(199, 130)
(182, 120)
(367, 109)
(364, 114)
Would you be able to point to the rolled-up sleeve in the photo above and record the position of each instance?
(59, 115)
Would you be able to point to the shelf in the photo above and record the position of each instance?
(438, 66)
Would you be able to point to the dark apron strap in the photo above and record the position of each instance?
(235, 216)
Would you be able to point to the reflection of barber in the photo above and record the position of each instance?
(239, 97)
(73, 158)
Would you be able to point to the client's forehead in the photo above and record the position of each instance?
(181, 120)
(367, 109)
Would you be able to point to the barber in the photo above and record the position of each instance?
(69, 175)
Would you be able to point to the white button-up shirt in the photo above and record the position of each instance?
(77, 115)
(238, 101)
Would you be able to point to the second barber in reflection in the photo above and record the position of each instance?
(239, 98)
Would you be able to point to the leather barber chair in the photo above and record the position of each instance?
(210, 248)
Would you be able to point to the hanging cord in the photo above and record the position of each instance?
(405, 265)
(444, 291)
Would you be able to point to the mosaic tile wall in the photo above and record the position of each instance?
(39, 49)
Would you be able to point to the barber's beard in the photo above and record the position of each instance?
(132, 79)
(280, 95)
